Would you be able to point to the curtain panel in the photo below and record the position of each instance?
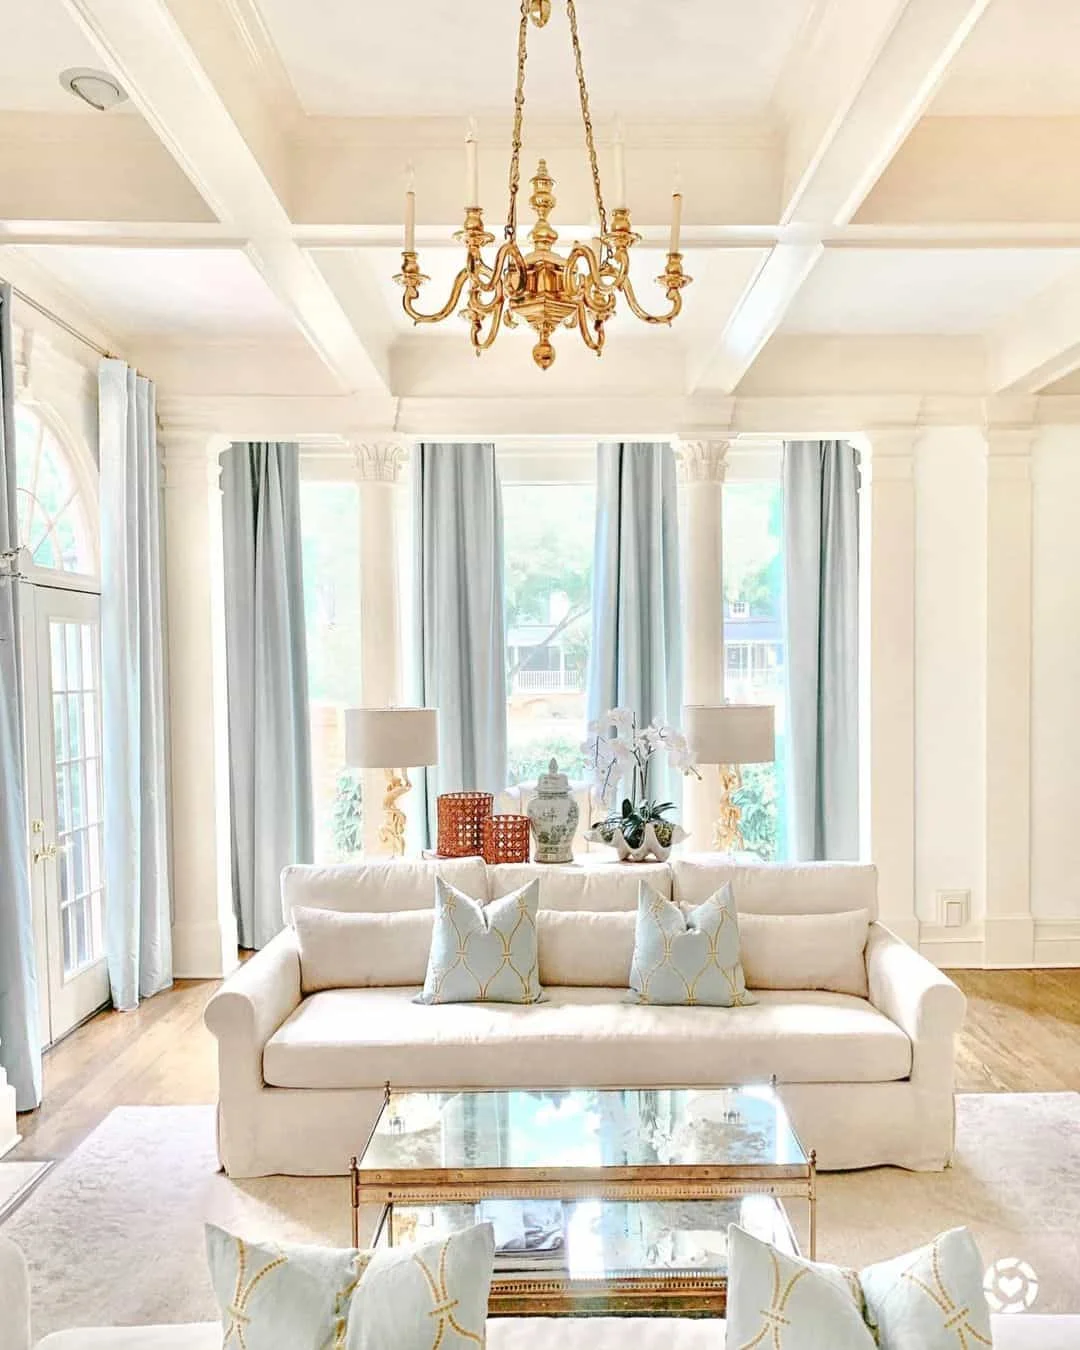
(821, 582)
(20, 1030)
(459, 619)
(266, 668)
(133, 719)
(636, 658)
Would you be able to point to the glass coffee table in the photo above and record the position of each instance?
(611, 1201)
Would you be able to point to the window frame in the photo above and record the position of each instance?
(84, 471)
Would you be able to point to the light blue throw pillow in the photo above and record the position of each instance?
(275, 1296)
(483, 953)
(687, 957)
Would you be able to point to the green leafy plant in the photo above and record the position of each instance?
(756, 800)
(347, 820)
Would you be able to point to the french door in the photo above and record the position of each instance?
(62, 679)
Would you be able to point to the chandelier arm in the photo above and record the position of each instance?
(519, 115)
(673, 294)
(447, 309)
(496, 311)
(601, 280)
(583, 96)
(595, 342)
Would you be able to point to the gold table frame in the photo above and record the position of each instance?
(676, 1293)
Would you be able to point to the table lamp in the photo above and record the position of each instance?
(728, 735)
(394, 739)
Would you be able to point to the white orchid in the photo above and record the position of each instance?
(627, 756)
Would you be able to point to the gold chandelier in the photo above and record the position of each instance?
(542, 286)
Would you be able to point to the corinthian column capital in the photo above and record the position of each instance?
(702, 461)
(380, 461)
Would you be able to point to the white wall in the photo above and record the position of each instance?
(950, 684)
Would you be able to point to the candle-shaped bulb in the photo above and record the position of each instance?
(676, 222)
(410, 209)
(472, 167)
(620, 165)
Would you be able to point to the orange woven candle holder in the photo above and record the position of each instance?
(461, 823)
(506, 839)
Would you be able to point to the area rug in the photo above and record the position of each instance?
(17, 1179)
(114, 1234)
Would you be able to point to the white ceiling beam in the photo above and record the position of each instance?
(1038, 345)
(915, 44)
(142, 42)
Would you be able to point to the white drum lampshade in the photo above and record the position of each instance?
(731, 733)
(397, 740)
(391, 738)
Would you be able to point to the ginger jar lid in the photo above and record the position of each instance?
(553, 781)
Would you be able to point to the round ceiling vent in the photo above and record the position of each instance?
(95, 87)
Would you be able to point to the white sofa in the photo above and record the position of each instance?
(538, 1333)
(867, 1080)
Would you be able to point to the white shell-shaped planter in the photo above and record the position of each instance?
(650, 846)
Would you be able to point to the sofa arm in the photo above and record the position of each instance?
(14, 1298)
(910, 990)
(249, 1007)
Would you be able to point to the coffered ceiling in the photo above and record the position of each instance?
(857, 174)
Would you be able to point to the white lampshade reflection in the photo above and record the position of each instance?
(731, 733)
(391, 738)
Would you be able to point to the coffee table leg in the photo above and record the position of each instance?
(812, 1195)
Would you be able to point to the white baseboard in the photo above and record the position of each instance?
(1003, 942)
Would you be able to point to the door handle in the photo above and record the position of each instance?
(47, 852)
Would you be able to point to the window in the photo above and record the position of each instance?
(548, 532)
(330, 536)
(754, 644)
(53, 521)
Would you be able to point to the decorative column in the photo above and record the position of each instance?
(888, 674)
(204, 924)
(1010, 927)
(703, 466)
(379, 467)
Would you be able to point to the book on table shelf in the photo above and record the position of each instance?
(530, 1235)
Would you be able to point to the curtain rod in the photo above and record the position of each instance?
(60, 323)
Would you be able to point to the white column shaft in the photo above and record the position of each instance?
(889, 759)
(204, 924)
(703, 465)
(1009, 922)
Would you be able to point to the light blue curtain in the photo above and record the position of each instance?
(636, 658)
(460, 638)
(134, 754)
(266, 665)
(821, 575)
(20, 1032)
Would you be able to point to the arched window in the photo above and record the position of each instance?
(55, 524)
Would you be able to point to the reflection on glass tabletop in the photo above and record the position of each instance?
(586, 1128)
(597, 1239)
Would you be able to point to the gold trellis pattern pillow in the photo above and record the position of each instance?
(483, 953)
(279, 1297)
(929, 1299)
(687, 957)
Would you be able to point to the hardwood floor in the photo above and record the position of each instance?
(1022, 1035)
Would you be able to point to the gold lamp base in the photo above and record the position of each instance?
(727, 832)
(392, 831)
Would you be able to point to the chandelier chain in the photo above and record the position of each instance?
(590, 140)
(519, 115)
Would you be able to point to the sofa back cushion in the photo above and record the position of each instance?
(377, 887)
(806, 951)
(593, 887)
(586, 948)
(361, 951)
(777, 888)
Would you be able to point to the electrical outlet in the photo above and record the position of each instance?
(954, 908)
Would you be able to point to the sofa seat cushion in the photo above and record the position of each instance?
(358, 1038)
